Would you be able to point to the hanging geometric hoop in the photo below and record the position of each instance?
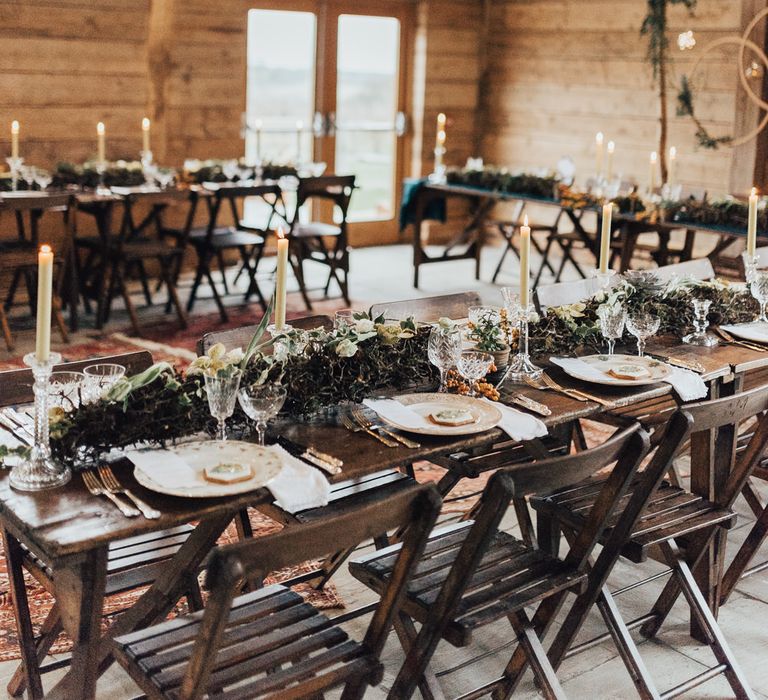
(685, 96)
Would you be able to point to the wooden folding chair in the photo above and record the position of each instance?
(472, 574)
(139, 243)
(212, 241)
(133, 563)
(321, 242)
(19, 257)
(427, 309)
(673, 521)
(270, 643)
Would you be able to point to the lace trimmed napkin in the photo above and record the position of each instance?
(296, 487)
(688, 385)
(518, 425)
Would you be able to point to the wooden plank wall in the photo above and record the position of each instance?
(559, 71)
(67, 64)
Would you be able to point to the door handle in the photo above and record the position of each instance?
(401, 124)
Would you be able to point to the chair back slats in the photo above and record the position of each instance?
(553, 473)
(550, 295)
(415, 509)
(428, 309)
(336, 188)
(240, 337)
(700, 269)
(16, 384)
(730, 410)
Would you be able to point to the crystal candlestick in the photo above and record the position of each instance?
(700, 325)
(438, 177)
(40, 470)
(101, 188)
(521, 367)
(15, 165)
(602, 279)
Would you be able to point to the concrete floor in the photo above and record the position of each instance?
(385, 274)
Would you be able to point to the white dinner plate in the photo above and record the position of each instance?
(486, 415)
(755, 331)
(265, 465)
(602, 363)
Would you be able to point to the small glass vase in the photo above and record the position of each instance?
(40, 470)
(521, 366)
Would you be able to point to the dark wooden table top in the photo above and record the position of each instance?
(69, 520)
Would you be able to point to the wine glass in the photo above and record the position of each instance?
(43, 179)
(343, 318)
(612, 319)
(261, 403)
(65, 390)
(443, 350)
(700, 325)
(164, 177)
(511, 304)
(758, 286)
(221, 389)
(642, 325)
(99, 378)
(28, 174)
(230, 169)
(473, 366)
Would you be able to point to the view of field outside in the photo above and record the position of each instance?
(280, 93)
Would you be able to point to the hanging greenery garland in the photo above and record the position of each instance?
(655, 28)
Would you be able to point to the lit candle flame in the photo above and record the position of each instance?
(525, 220)
(654, 156)
(46, 249)
(145, 123)
(599, 137)
(280, 232)
(611, 147)
(754, 192)
(100, 128)
(14, 127)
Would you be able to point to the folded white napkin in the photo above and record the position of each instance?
(394, 411)
(296, 487)
(688, 385)
(518, 425)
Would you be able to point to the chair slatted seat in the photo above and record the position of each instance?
(270, 643)
(272, 628)
(509, 576)
(671, 512)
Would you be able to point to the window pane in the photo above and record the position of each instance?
(366, 104)
(281, 84)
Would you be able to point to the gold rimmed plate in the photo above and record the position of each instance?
(599, 366)
(164, 476)
(485, 414)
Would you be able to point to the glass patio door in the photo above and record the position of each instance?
(326, 84)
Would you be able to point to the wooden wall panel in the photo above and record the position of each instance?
(558, 71)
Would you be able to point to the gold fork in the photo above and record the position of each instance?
(114, 487)
(574, 393)
(95, 487)
(350, 424)
(366, 422)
